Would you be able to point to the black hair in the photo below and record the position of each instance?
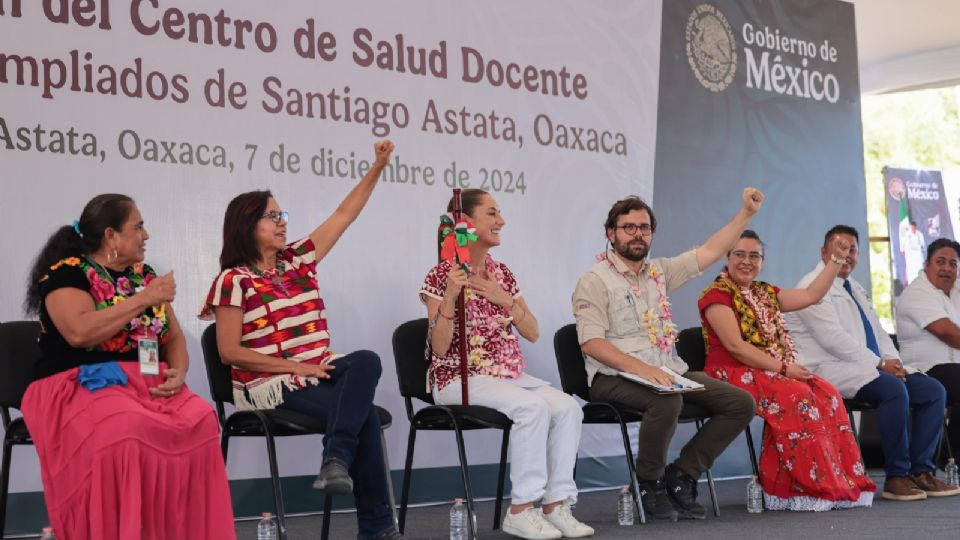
(941, 243)
(107, 211)
(752, 234)
(840, 229)
(239, 223)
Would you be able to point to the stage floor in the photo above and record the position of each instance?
(929, 520)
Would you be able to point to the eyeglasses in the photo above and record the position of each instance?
(276, 216)
(754, 256)
(632, 228)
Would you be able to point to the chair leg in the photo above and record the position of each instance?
(753, 452)
(713, 493)
(500, 479)
(4, 484)
(407, 469)
(944, 443)
(946, 432)
(275, 479)
(853, 427)
(386, 466)
(224, 446)
(465, 472)
(327, 509)
(710, 485)
(631, 468)
(945, 438)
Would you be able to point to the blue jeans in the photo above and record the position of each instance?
(906, 452)
(353, 433)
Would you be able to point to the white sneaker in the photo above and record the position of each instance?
(530, 524)
(562, 518)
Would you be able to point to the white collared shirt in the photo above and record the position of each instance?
(920, 304)
(831, 340)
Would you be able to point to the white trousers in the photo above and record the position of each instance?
(544, 438)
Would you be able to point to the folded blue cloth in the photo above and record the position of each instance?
(93, 377)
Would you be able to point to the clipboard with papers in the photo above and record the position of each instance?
(681, 384)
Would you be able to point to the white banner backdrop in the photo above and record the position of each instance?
(142, 98)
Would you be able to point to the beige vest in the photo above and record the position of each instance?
(626, 331)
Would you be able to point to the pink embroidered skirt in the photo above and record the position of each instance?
(120, 463)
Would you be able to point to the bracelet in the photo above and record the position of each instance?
(516, 322)
(442, 314)
(837, 260)
(783, 368)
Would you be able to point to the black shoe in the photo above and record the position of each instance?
(656, 503)
(334, 478)
(390, 535)
(682, 490)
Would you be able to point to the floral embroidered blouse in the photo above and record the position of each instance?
(108, 288)
(492, 346)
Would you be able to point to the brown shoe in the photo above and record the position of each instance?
(902, 488)
(933, 486)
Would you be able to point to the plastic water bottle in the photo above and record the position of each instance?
(458, 520)
(267, 528)
(625, 507)
(47, 534)
(754, 496)
(951, 470)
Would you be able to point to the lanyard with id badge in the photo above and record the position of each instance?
(148, 351)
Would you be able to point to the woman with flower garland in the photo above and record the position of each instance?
(126, 450)
(546, 421)
(810, 459)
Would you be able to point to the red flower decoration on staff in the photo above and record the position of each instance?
(454, 240)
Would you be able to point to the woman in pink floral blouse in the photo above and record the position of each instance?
(546, 420)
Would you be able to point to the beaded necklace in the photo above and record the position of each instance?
(274, 275)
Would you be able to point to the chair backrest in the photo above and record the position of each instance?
(19, 353)
(692, 349)
(570, 362)
(409, 348)
(218, 373)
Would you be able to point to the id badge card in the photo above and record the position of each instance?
(149, 352)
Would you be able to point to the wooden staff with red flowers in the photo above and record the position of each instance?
(455, 233)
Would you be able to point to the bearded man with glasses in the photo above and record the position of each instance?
(624, 325)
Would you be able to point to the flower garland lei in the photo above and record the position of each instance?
(661, 330)
(765, 327)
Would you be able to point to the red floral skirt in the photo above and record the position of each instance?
(119, 463)
(810, 459)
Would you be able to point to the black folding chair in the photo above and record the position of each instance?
(18, 355)
(693, 350)
(270, 423)
(409, 346)
(573, 380)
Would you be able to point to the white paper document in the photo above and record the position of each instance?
(681, 384)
